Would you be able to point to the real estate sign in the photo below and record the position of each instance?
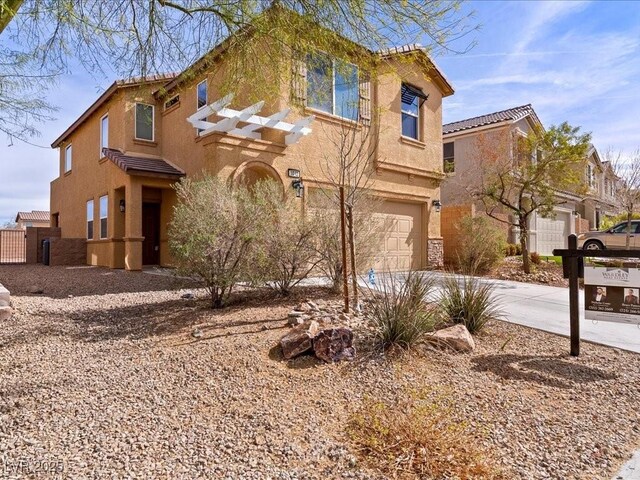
(612, 294)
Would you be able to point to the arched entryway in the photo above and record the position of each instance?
(254, 171)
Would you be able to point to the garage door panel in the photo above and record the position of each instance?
(401, 248)
(552, 232)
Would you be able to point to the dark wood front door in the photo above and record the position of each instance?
(151, 233)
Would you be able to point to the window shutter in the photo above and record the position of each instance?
(365, 98)
(298, 82)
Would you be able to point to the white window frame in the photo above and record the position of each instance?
(68, 158)
(153, 122)
(93, 214)
(104, 144)
(106, 217)
(418, 136)
(206, 100)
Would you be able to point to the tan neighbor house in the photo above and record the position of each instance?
(602, 186)
(461, 163)
(119, 160)
(34, 218)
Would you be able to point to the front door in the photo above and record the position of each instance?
(151, 233)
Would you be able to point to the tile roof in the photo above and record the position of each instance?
(141, 165)
(33, 216)
(511, 114)
(118, 84)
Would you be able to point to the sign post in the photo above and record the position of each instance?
(574, 306)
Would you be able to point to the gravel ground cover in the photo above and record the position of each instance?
(110, 383)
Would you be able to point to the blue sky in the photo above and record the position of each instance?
(574, 61)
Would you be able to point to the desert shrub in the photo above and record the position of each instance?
(511, 249)
(287, 251)
(399, 311)
(213, 234)
(420, 437)
(469, 301)
(518, 248)
(535, 258)
(481, 244)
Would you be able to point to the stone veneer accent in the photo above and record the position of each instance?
(68, 251)
(435, 253)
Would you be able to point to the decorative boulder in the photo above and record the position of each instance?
(456, 338)
(299, 339)
(5, 312)
(334, 344)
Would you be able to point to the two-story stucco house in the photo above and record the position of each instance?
(461, 163)
(121, 157)
(602, 186)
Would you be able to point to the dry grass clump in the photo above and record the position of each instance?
(419, 438)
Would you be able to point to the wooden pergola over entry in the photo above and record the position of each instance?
(231, 118)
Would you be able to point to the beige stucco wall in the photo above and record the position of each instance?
(407, 171)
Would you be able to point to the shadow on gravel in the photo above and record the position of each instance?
(60, 282)
(545, 370)
(135, 322)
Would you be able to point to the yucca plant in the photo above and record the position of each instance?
(399, 310)
(469, 301)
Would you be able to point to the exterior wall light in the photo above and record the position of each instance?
(437, 205)
(122, 205)
(299, 187)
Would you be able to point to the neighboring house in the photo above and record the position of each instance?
(461, 163)
(602, 185)
(120, 159)
(34, 218)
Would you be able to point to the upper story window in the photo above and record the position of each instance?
(448, 153)
(144, 121)
(591, 176)
(67, 159)
(104, 134)
(202, 94)
(332, 86)
(90, 220)
(104, 210)
(171, 102)
(412, 99)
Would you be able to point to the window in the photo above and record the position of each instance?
(104, 134)
(90, 220)
(412, 98)
(448, 156)
(332, 86)
(144, 121)
(67, 159)
(104, 206)
(202, 94)
(622, 227)
(171, 102)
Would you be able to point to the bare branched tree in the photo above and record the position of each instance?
(144, 37)
(627, 188)
(350, 156)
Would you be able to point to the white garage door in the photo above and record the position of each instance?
(553, 232)
(401, 245)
